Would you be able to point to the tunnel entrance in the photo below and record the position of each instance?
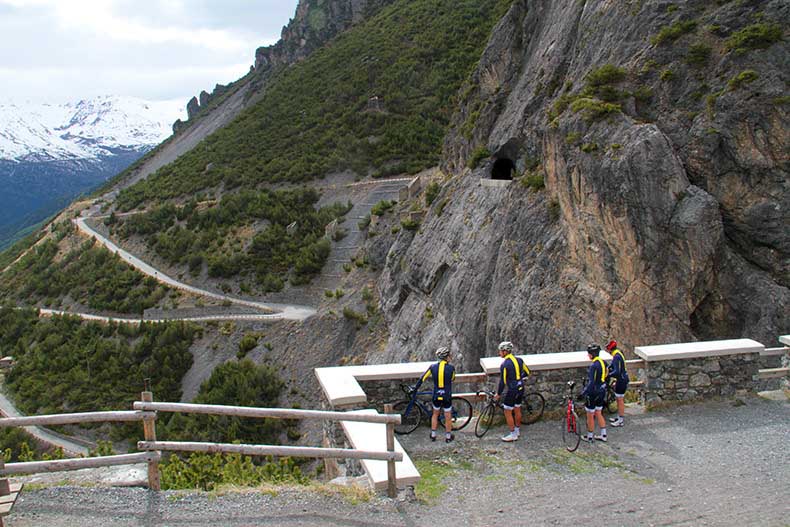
(503, 169)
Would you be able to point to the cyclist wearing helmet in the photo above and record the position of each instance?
(595, 394)
(618, 371)
(512, 373)
(443, 374)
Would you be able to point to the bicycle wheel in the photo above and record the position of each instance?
(485, 420)
(462, 414)
(610, 404)
(532, 408)
(571, 436)
(410, 418)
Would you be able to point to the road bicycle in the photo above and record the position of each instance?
(571, 435)
(413, 410)
(531, 410)
(610, 403)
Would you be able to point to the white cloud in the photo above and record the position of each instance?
(69, 49)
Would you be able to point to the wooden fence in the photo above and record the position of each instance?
(146, 411)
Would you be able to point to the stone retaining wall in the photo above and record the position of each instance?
(698, 378)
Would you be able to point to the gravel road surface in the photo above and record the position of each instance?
(716, 464)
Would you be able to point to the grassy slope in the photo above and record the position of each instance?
(313, 118)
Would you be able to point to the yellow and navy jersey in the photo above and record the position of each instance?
(443, 374)
(617, 366)
(512, 373)
(596, 377)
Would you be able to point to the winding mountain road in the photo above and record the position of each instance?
(279, 311)
(69, 446)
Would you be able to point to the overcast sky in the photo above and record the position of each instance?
(65, 50)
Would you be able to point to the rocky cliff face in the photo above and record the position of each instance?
(315, 23)
(661, 137)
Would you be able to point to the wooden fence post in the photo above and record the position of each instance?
(392, 489)
(149, 431)
(5, 488)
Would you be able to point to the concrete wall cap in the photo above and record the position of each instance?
(690, 350)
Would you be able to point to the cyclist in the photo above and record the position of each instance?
(618, 371)
(595, 394)
(443, 374)
(512, 373)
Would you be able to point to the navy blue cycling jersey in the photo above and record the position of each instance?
(617, 366)
(443, 374)
(512, 373)
(596, 378)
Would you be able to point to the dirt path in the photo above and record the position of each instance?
(714, 464)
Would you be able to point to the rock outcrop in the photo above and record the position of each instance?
(666, 205)
(315, 23)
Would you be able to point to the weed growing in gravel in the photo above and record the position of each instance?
(433, 474)
(353, 494)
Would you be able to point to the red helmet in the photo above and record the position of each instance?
(612, 345)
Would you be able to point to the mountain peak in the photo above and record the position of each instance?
(88, 128)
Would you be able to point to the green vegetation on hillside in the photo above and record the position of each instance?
(314, 117)
(66, 365)
(193, 236)
(89, 274)
(598, 97)
(235, 383)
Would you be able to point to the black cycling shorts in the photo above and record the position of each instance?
(513, 398)
(620, 386)
(595, 400)
(446, 403)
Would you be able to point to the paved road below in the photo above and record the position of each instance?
(722, 464)
(70, 447)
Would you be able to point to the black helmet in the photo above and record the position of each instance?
(594, 349)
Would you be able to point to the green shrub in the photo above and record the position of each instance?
(248, 343)
(410, 224)
(594, 109)
(380, 208)
(534, 181)
(756, 36)
(698, 54)
(589, 147)
(235, 383)
(209, 471)
(66, 365)
(479, 153)
(89, 274)
(599, 81)
(674, 31)
(364, 223)
(358, 318)
(642, 94)
(431, 191)
(744, 77)
(667, 75)
(572, 138)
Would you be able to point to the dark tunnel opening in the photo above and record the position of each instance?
(503, 169)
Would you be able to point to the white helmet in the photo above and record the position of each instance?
(442, 353)
(506, 346)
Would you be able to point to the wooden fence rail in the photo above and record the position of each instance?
(83, 417)
(59, 465)
(276, 413)
(389, 419)
(146, 411)
(266, 450)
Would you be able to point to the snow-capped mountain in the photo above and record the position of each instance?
(49, 154)
(91, 128)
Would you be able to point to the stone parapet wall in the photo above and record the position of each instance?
(703, 377)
